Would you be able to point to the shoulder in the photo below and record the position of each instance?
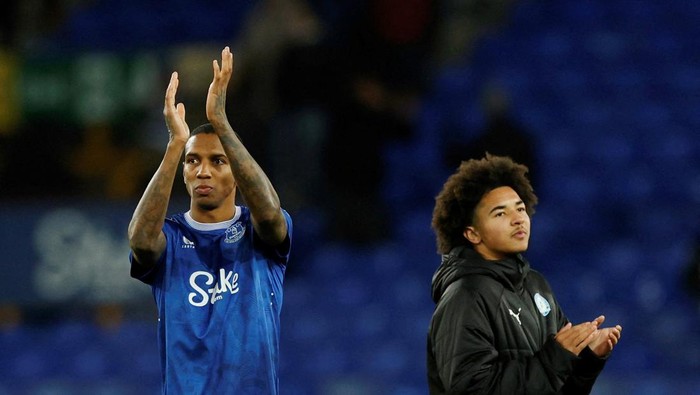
(479, 284)
(175, 223)
(245, 213)
(245, 217)
(473, 290)
(535, 278)
(468, 303)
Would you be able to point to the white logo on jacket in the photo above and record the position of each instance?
(542, 304)
(517, 316)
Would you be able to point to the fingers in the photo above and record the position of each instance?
(181, 111)
(612, 340)
(575, 338)
(615, 334)
(172, 89)
(226, 68)
(588, 332)
(169, 107)
(227, 61)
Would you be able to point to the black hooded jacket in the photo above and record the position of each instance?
(493, 330)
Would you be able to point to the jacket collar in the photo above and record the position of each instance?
(463, 261)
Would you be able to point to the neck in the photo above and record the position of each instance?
(219, 214)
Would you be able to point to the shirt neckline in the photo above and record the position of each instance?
(212, 225)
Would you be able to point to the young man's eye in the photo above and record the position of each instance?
(499, 214)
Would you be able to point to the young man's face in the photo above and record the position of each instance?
(501, 225)
(207, 172)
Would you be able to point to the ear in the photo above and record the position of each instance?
(471, 234)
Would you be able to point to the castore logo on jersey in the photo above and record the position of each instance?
(187, 243)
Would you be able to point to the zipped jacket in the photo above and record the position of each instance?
(493, 328)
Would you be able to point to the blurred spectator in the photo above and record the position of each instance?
(39, 148)
(692, 272)
(106, 168)
(360, 128)
(503, 135)
(109, 316)
(8, 24)
(299, 128)
(24, 23)
(277, 69)
(271, 28)
(380, 72)
(393, 39)
(11, 316)
(463, 22)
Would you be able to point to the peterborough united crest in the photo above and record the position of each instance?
(234, 233)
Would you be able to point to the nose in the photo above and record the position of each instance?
(519, 218)
(203, 171)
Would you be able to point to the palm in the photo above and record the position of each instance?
(175, 114)
(605, 340)
(216, 97)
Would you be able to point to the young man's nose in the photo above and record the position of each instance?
(519, 218)
(204, 170)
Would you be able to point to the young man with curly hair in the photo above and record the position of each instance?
(497, 327)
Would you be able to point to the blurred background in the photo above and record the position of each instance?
(357, 110)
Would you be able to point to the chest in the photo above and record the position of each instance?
(205, 273)
(527, 318)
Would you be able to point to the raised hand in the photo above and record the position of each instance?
(605, 339)
(575, 338)
(216, 97)
(175, 114)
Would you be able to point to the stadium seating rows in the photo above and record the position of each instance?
(609, 92)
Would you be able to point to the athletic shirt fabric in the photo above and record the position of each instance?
(218, 291)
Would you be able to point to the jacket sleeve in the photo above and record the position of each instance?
(468, 362)
(586, 368)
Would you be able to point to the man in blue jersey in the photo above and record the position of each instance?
(216, 271)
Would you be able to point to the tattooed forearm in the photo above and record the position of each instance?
(145, 228)
(255, 187)
(253, 184)
(251, 179)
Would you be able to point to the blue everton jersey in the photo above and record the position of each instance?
(218, 290)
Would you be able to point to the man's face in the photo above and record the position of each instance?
(207, 172)
(501, 225)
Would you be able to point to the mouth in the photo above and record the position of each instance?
(203, 190)
(519, 234)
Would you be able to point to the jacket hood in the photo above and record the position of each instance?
(463, 261)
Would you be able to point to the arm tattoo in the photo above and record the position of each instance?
(147, 222)
(256, 189)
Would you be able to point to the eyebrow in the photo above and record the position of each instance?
(502, 207)
(211, 156)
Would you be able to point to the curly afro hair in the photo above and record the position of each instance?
(463, 190)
